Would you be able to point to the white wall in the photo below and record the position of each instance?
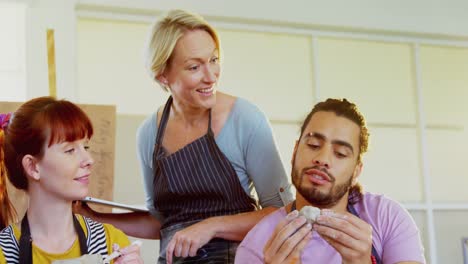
(438, 17)
(59, 16)
(12, 51)
(447, 17)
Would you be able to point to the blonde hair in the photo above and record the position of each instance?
(164, 36)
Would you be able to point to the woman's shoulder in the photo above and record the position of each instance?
(149, 121)
(13, 231)
(96, 231)
(8, 232)
(224, 103)
(148, 126)
(9, 251)
(241, 109)
(9, 237)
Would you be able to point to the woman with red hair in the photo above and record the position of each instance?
(44, 151)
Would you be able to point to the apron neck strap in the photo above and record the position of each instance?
(165, 118)
(25, 242)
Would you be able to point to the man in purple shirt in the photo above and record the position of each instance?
(354, 226)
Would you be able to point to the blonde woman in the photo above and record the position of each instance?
(202, 154)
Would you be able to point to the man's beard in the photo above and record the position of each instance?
(315, 196)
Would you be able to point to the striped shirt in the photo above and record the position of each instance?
(100, 240)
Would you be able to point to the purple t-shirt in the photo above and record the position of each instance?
(395, 235)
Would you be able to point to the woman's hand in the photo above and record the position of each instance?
(186, 242)
(129, 255)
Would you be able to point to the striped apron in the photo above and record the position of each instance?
(192, 184)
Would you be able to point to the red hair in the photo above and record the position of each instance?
(7, 211)
(40, 121)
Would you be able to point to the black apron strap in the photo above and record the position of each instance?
(81, 236)
(210, 131)
(165, 118)
(25, 243)
(163, 121)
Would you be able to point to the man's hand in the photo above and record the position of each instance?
(186, 242)
(288, 240)
(349, 235)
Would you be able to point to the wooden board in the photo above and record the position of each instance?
(102, 148)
